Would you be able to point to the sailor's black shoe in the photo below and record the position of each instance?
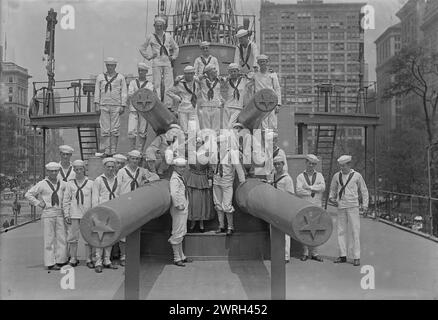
(341, 260)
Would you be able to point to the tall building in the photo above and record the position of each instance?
(311, 42)
(411, 17)
(14, 81)
(387, 46)
(429, 27)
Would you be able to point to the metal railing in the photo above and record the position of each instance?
(406, 210)
(14, 214)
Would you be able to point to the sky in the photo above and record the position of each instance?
(117, 28)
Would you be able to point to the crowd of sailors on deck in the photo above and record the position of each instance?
(201, 99)
(198, 192)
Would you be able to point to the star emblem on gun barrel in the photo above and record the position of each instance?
(101, 227)
(266, 101)
(313, 225)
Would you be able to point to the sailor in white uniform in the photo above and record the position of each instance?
(344, 191)
(265, 79)
(161, 48)
(104, 189)
(310, 187)
(179, 211)
(48, 195)
(235, 91)
(130, 178)
(223, 179)
(137, 124)
(210, 106)
(283, 182)
(185, 93)
(120, 161)
(66, 172)
(77, 200)
(110, 97)
(246, 51)
(204, 60)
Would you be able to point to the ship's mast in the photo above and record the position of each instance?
(49, 50)
(215, 21)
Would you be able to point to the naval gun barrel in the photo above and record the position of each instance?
(105, 224)
(308, 224)
(258, 108)
(153, 110)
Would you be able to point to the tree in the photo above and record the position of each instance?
(8, 142)
(414, 70)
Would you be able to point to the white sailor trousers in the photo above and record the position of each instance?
(179, 224)
(223, 197)
(73, 231)
(231, 115)
(137, 125)
(211, 117)
(55, 245)
(109, 120)
(188, 119)
(106, 259)
(167, 73)
(349, 223)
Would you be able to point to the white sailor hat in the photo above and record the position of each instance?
(78, 163)
(179, 162)
(66, 149)
(238, 125)
(344, 159)
(53, 166)
(262, 57)
(142, 66)
(174, 126)
(110, 60)
(233, 66)
(159, 20)
(120, 157)
(209, 67)
(241, 33)
(278, 158)
(134, 154)
(418, 218)
(312, 158)
(204, 44)
(109, 159)
(189, 69)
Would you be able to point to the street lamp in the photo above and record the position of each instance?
(429, 182)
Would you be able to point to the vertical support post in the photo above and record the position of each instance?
(132, 268)
(44, 152)
(376, 194)
(429, 182)
(33, 208)
(278, 266)
(302, 139)
(366, 151)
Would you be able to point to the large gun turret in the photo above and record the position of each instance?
(309, 224)
(153, 110)
(104, 225)
(258, 108)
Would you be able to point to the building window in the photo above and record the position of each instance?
(353, 46)
(320, 36)
(288, 36)
(11, 79)
(320, 47)
(11, 90)
(304, 35)
(337, 36)
(338, 46)
(321, 68)
(305, 68)
(10, 100)
(304, 47)
(337, 57)
(320, 57)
